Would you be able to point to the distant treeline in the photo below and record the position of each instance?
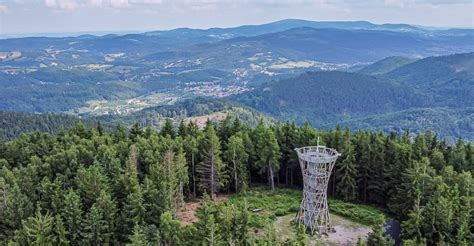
(13, 124)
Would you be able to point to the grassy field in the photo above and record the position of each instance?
(268, 205)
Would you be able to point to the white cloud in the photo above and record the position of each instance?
(74, 4)
(3, 9)
(62, 4)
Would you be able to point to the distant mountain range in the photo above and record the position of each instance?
(323, 72)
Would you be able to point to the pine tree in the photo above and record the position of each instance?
(130, 175)
(60, 231)
(135, 132)
(99, 224)
(100, 129)
(411, 228)
(167, 129)
(211, 169)
(415, 180)
(268, 152)
(347, 172)
(463, 234)
(133, 211)
(39, 229)
(170, 229)
(16, 208)
(120, 133)
(336, 142)
(437, 160)
(95, 227)
(191, 149)
(237, 157)
(138, 238)
(378, 236)
(224, 131)
(71, 214)
(90, 182)
(182, 129)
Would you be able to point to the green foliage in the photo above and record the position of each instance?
(39, 229)
(378, 236)
(119, 188)
(360, 213)
(13, 124)
(211, 168)
(267, 152)
(237, 155)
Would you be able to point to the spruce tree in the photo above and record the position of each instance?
(347, 172)
(168, 129)
(170, 229)
(71, 214)
(60, 231)
(191, 149)
(135, 132)
(268, 152)
(237, 157)
(39, 229)
(210, 169)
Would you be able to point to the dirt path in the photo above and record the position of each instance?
(347, 232)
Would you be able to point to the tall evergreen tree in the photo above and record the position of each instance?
(237, 157)
(210, 169)
(39, 229)
(168, 129)
(347, 172)
(267, 151)
(72, 216)
(136, 131)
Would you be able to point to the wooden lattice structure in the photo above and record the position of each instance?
(316, 164)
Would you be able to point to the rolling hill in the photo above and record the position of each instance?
(323, 97)
(449, 80)
(434, 92)
(291, 69)
(386, 65)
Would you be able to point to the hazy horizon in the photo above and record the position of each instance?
(125, 16)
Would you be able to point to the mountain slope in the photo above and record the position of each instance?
(326, 97)
(448, 79)
(450, 124)
(324, 45)
(386, 65)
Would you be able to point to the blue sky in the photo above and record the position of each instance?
(53, 16)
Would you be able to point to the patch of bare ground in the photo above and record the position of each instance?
(202, 120)
(347, 231)
(187, 214)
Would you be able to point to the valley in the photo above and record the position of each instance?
(273, 68)
(291, 132)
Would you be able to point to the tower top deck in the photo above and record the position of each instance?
(317, 154)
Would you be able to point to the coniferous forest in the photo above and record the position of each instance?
(93, 186)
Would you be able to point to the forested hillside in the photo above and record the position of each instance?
(449, 80)
(201, 109)
(12, 124)
(326, 97)
(434, 92)
(386, 65)
(87, 186)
